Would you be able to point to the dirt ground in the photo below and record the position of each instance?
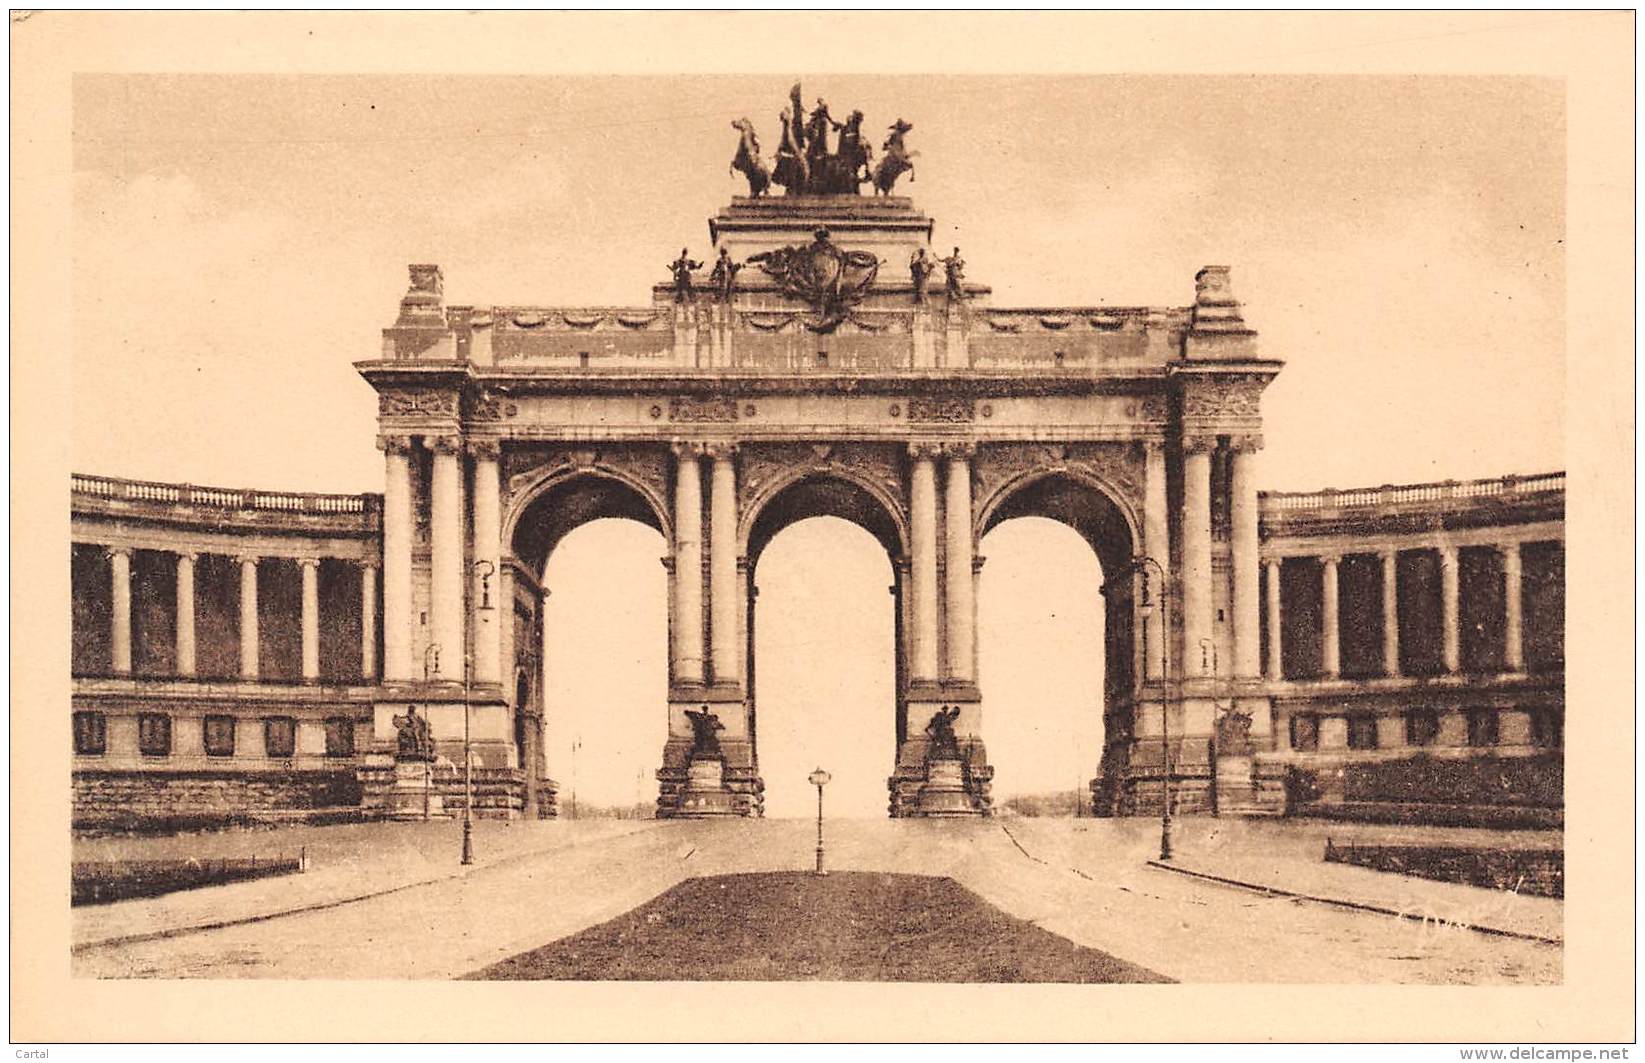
(847, 926)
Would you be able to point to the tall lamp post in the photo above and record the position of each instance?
(431, 668)
(819, 779)
(1141, 563)
(1208, 656)
(485, 569)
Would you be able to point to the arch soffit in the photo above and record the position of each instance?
(822, 470)
(1014, 485)
(565, 476)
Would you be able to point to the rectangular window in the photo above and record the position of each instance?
(1305, 732)
(1482, 727)
(154, 734)
(1548, 728)
(91, 734)
(1362, 731)
(1421, 727)
(219, 736)
(280, 736)
(339, 736)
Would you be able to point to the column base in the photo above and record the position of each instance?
(739, 775)
(925, 785)
(414, 794)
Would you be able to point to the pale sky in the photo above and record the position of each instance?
(240, 241)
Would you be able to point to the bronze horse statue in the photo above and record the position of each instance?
(895, 161)
(748, 161)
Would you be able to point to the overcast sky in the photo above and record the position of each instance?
(239, 242)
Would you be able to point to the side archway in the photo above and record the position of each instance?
(541, 514)
(1098, 512)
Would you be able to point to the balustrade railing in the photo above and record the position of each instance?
(1392, 495)
(221, 497)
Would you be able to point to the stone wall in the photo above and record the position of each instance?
(185, 799)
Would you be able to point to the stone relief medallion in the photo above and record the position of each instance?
(922, 409)
(411, 402)
(695, 409)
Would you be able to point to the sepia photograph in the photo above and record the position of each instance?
(581, 527)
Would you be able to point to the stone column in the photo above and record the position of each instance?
(1513, 627)
(488, 527)
(248, 618)
(368, 621)
(1276, 640)
(1390, 612)
(960, 589)
(1196, 551)
(445, 534)
(1244, 543)
(1330, 623)
(311, 617)
(120, 609)
(1448, 607)
(923, 566)
(396, 558)
(185, 615)
(722, 564)
(688, 563)
(1156, 534)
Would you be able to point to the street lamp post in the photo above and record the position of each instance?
(431, 664)
(819, 779)
(1208, 655)
(486, 570)
(1141, 564)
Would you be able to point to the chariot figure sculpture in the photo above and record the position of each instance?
(806, 167)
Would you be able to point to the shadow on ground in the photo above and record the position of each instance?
(795, 926)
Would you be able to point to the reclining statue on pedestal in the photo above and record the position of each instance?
(705, 737)
(416, 741)
(944, 744)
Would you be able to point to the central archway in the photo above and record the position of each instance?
(862, 692)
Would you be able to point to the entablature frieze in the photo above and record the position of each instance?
(1354, 541)
(364, 550)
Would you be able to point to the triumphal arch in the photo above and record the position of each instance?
(822, 358)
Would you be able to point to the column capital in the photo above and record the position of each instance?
(191, 556)
(1198, 444)
(976, 562)
(368, 564)
(1329, 559)
(688, 448)
(1447, 553)
(112, 552)
(668, 564)
(309, 562)
(485, 449)
(394, 443)
(924, 450)
(247, 559)
(444, 444)
(1245, 443)
(1509, 548)
(959, 451)
(720, 450)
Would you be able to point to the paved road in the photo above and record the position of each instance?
(1086, 880)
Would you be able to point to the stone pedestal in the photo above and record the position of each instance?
(944, 792)
(414, 794)
(705, 791)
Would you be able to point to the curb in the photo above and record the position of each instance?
(1357, 906)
